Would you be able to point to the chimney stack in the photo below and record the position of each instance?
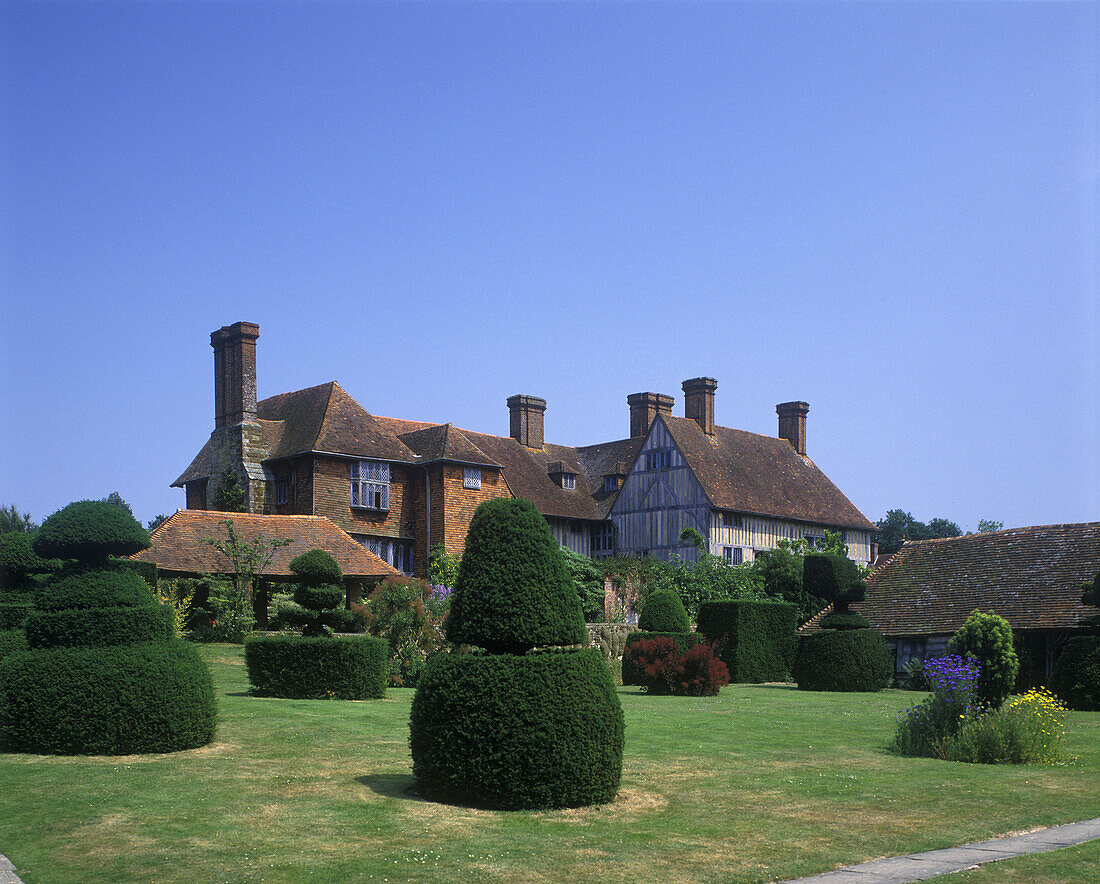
(699, 402)
(235, 374)
(792, 423)
(644, 407)
(526, 420)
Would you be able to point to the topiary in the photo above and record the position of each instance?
(835, 578)
(843, 660)
(18, 561)
(516, 729)
(320, 589)
(500, 730)
(987, 639)
(513, 590)
(1076, 675)
(663, 611)
(90, 531)
(346, 668)
(103, 674)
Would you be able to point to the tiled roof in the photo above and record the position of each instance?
(180, 543)
(1030, 576)
(597, 461)
(762, 475)
(445, 442)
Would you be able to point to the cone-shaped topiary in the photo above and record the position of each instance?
(663, 611)
(103, 674)
(91, 531)
(514, 591)
(516, 730)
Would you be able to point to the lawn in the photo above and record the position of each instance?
(763, 782)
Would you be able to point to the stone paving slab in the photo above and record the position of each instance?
(7, 872)
(919, 866)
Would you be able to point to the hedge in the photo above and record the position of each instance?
(1076, 675)
(757, 640)
(345, 667)
(514, 590)
(505, 731)
(94, 589)
(12, 640)
(98, 626)
(684, 641)
(14, 614)
(843, 660)
(663, 611)
(155, 697)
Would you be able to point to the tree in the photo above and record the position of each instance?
(115, 499)
(443, 566)
(898, 526)
(12, 520)
(987, 525)
(938, 528)
(229, 496)
(246, 561)
(987, 638)
(155, 522)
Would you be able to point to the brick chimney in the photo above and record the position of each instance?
(235, 374)
(792, 423)
(644, 407)
(699, 402)
(526, 420)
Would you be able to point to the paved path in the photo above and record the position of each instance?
(898, 869)
(918, 866)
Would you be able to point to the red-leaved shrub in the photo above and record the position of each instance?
(664, 669)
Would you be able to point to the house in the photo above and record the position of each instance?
(179, 547)
(399, 487)
(1030, 576)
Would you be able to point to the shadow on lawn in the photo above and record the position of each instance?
(391, 785)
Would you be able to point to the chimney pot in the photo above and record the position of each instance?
(699, 402)
(526, 420)
(792, 423)
(644, 407)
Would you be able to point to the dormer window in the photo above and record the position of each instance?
(568, 481)
(370, 485)
(562, 476)
(610, 483)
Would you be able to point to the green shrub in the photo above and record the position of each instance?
(147, 571)
(834, 578)
(316, 568)
(513, 591)
(843, 660)
(663, 611)
(14, 614)
(98, 626)
(1076, 676)
(589, 583)
(535, 731)
(756, 640)
(923, 730)
(91, 531)
(343, 620)
(684, 641)
(12, 640)
(1028, 729)
(155, 697)
(844, 620)
(94, 589)
(347, 667)
(18, 560)
(318, 598)
(987, 639)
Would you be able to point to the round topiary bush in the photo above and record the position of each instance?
(843, 660)
(316, 568)
(103, 674)
(663, 611)
(987, 638)
(512, 732)
(1076, 676)
(90, 531)
(342, 667)
(514, 591)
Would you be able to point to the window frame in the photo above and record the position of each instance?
(471, 478)
(370, 478)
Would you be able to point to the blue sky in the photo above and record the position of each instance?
(887, 210)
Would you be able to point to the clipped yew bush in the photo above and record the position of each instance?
(516, 728)
(102, 674)
(663, 611)
(343, 668)
(757, 640)
(843, 660)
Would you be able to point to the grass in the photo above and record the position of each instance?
(763, 782)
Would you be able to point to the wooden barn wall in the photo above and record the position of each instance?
(654, 506)
(571, 533)
(760, 532)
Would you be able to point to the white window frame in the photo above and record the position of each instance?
(370, 485)
(471, 477)
(568, 481)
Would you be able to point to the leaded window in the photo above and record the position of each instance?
(471, 477)
(370, 484)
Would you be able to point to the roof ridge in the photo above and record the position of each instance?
(1002, 531)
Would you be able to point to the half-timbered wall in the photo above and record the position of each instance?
(571, 533)
(659, 499)
(761, 533)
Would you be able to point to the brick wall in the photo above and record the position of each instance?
(330, 492)
(459, 503)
